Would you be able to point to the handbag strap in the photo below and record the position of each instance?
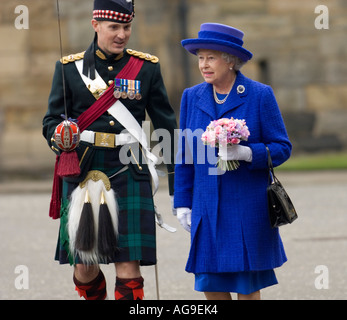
(272, 176)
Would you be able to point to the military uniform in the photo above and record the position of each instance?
(154, 101)
(154, 97)
(125, 223)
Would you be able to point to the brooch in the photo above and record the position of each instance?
(240, 89)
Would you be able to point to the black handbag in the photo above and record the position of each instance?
(281, 208)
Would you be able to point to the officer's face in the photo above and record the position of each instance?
(112, 37)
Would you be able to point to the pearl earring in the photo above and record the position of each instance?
(231, 68)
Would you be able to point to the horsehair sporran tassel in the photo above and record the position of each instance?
(85, 234)
(107, 239)
(95, 188)
(75, 212)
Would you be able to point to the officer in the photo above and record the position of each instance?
(104, 174)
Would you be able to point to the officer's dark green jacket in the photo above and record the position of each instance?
(78, 99)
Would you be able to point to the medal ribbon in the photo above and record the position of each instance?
(130, 71)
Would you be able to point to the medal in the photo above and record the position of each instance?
(138, 95)
(131, 91)
(124, 88)
(124, 93)
(117, 93)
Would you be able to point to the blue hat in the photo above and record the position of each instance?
(120, 11)
(219, 37)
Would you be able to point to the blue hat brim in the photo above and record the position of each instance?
(193, 45)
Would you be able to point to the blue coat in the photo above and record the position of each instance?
(230, 226)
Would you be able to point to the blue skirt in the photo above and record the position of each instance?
(245, 282)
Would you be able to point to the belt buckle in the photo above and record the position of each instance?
(103, 139)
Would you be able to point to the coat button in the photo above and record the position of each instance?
(110, 68)
(111, 123)
(110, 82)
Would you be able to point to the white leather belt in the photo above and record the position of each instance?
(125, 118)
(107, 140)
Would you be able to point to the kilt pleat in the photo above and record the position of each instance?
(137, 238)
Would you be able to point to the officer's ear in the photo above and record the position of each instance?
(95, 25)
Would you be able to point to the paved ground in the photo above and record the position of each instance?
(317, 238)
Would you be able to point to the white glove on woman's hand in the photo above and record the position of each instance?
(184, 216)
(236, 152)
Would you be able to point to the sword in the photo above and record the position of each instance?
(67, 128)
(159, 220)
(61, 56)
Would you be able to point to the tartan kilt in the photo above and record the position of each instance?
(136, 218)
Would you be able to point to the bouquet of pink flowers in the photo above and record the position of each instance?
(225, 132)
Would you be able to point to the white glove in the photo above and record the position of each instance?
(184, 216)
(174, 210)
(236, 152)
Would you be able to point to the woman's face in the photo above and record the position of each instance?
(214, 69)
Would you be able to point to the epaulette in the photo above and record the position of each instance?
(72, 58)
(141, 55)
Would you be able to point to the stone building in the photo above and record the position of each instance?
(305, 65)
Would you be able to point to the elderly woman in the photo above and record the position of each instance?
(233, 247)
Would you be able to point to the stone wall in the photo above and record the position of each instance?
(306, 67)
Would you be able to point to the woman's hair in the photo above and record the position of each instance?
(238, 63)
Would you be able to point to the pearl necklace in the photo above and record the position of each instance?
(216, 98)
(225, 99)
